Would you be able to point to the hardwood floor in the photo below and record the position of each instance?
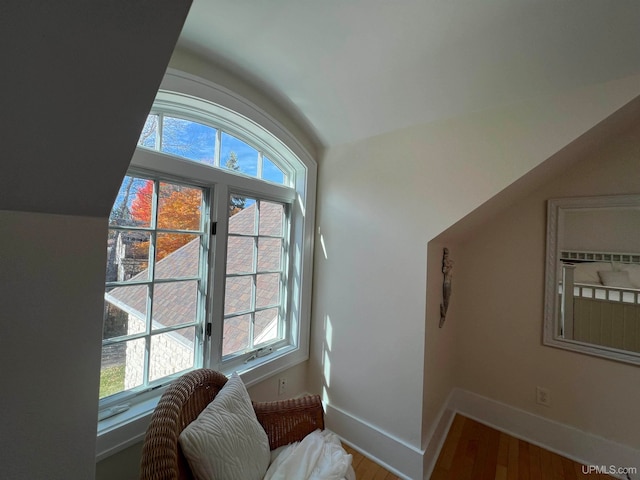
(474, 451)
(367, 469)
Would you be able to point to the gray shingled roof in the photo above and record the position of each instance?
(176, 302)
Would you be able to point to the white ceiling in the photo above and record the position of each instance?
(356, 68)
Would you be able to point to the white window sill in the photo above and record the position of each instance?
(125, 429)
(129, 427)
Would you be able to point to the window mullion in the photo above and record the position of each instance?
(216, 153)
(254, 282)
(175, 280)
(147, 358)
(205, 255)
(287, 277)
(152, 264)
(252, 323)
(123, 338)
(160, 132)
(174, 328)
(220, 215)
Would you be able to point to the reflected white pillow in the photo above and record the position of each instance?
(615, 279)
(634, 272)
(587, 272)
(226, 441)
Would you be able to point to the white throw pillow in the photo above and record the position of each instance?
(226, 441)
(615, 279)
(587, 272)
(634, 272)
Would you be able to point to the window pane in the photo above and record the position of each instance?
(271, 218)
(188, 139)
(266, 326)
(125, 311)
(240, 255)
(237, 156)
(171, 352)
(132, 207)
(267, 290)
(238, 294)
(236, 334)
(122, 367)
(271, 172)
(149, 132)
(174, 303)
(179, 207)
(269, 254)
(127, 256)
(242, 215)
(178, 255)
(112, 370)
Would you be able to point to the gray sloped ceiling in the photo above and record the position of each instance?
(78, 79)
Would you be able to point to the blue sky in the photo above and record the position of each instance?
(197, 142)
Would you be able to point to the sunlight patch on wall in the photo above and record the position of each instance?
(326, 358)
(322, 244)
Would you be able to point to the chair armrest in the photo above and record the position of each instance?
(289, 421)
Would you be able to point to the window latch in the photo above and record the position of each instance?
(261, 352)
(214, 227)
(208, 330)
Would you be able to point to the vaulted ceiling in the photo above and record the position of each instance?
(347, 69)
(354, 69)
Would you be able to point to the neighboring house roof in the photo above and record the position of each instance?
(176, 302)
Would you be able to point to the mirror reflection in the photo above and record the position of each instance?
(593, 276)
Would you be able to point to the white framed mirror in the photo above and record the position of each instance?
(592, 284)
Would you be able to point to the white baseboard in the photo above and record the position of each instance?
(437, 436)
(562, 439)
(394, 454)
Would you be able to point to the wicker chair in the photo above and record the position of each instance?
(285, 422)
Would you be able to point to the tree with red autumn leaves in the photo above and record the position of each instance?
(179, 208)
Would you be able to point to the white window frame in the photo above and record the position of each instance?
(130, 395)
(236, 361)
(196, 99)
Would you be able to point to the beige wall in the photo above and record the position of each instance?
(267, 391)
(499, 295)
(440, 355)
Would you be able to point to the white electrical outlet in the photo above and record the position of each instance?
(282, 385)
(543, 397)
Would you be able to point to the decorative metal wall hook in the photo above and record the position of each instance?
(447, 270)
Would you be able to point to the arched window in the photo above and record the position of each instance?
(209, 249)
(199, 135)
